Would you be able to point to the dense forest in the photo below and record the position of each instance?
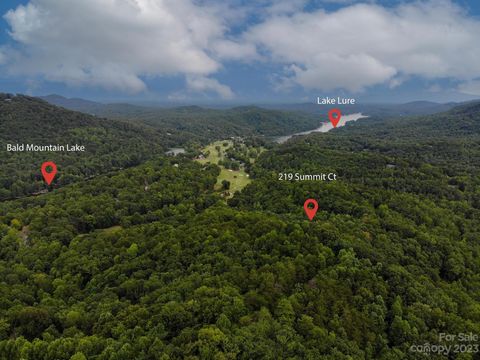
(150, 262)
(110, 145)
(201, 123)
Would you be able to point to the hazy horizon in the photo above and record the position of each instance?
(228, 104)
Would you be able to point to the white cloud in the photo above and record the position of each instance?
(204, 84)
(396, 81)
(470, 87)
(114, 43)
(333, 71)
(366, 44)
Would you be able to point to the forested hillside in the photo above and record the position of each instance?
(110, 145)
(406, 206)
(151, 263)
(120, 143)
(198, 123)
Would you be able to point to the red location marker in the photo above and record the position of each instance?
(49, 176)
(334, 115)
(310, 211)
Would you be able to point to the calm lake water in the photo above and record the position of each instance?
(324, 127)
(175, 151)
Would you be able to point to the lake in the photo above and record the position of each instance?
(175, 151)
(324, 127)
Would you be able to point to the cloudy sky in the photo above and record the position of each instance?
(241, 51)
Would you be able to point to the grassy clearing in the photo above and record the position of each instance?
(112, 229)
(238, 179)
(213, 157)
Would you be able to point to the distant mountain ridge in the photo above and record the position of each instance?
(125, 110)
(385, 110)
(70, 103)
(91, 107)
(198, 122)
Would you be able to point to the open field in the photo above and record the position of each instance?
(213, 157)
(238, 179)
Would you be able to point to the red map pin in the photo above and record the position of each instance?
(334, 115)
(49, 176)
(310, 211)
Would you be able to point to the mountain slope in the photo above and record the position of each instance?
(149, 262)
(109, 144)
(76, 104)
(406, 210)
(240, 121)
(201, 124)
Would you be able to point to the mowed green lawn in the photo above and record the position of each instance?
(238, 179)
(213, 157)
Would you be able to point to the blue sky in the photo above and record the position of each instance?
(264, 51)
